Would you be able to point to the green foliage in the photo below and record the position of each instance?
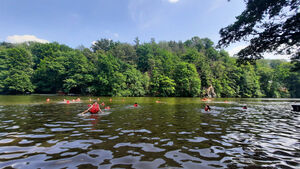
(104, 45)
(145, 53)
(77, 72)
(48, 76)
(226, 78)
(136, 82)
(271, 25)
(186, 69)
(161, 85)
(187, 80)
(125, 52)
(16, 71)
(249, 82)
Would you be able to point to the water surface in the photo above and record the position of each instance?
(174, 133)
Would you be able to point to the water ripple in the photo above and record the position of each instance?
(175, 135)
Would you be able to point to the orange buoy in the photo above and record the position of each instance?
(68, 102)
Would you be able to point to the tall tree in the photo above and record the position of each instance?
(187, 80)
(161, 85)
(16, 78)
(271, 25)
(103, 44)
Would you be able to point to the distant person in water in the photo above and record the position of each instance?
(135, 105)
(244, 107)
(207, 108)
(93, 109)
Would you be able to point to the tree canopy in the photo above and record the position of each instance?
(194, 68)
(269, 25)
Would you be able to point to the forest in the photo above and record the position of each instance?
(193, 68)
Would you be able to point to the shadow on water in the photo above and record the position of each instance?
(171, 133)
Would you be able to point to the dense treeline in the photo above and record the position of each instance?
(191, 68)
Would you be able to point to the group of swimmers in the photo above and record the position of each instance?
(95, 108)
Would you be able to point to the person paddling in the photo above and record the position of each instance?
(93, 109)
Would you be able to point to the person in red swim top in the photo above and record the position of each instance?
(93, 109)
(207, 108)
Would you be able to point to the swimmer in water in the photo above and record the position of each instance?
(135, 105)
(244, 107)
(93, 109)
(207, 108)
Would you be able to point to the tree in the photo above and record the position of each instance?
(48, 76)
(187, 80)
(125, 52)
(161, 85)
(77, 73)
(144, 53)
(136, 82)
(103, 44)
(40, 51)
(249, 82)
(16, 76)
(271, 25)
(136, 42)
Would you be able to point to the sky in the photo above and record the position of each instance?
(78, 22)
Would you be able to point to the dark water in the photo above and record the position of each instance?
(176, 133)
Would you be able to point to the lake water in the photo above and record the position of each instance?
(175, 133)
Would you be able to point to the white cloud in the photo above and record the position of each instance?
(24, 38)
(173, 1)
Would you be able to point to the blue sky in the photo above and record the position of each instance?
(78, 22)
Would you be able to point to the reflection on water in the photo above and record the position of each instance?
(174, 133)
